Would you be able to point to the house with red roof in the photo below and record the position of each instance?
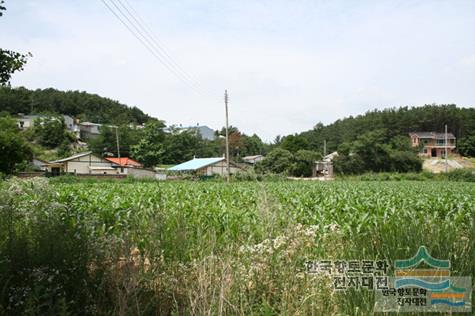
(130, 167)
(124, 162)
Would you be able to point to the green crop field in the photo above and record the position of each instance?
(194, 248)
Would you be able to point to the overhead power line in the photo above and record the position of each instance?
(160, 45)
(132, 24)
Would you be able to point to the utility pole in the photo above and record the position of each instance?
(117, 139)
(227, 134)
(446, 154)
(324, 147)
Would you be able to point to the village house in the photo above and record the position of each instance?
(27, 121)
(82, 163)
(206, 166)
(89, 130)
(131, 167)
(87, 163)
(432, 144)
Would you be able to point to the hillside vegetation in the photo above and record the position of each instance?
(378, 141)
(79, 104)
(393, 121)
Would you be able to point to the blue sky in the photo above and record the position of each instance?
(287, 64)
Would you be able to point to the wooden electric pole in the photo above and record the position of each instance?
(117, 139)
(227, 134)
(446, 153)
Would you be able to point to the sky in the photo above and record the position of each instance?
(286, 64)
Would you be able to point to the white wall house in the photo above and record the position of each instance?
(83, 163)
(27, 121)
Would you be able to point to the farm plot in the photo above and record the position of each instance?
(212, 248)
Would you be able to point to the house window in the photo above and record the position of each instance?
(425, 150)
(414, 140)
(122, 170)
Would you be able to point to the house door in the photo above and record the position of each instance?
(433, 152)
(55, 171)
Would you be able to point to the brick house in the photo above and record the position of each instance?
(433, 144)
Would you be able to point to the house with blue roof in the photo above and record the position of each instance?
(206, 166)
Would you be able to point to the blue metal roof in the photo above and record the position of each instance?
(195, 164)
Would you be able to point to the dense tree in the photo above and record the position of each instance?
(150, 149)
(14, 149)
(283, 161)
(50, 131)
(277, 161)
(11, 62)
(466, 146)
(304, 161)
(253, 145)
(106, 142)
(375, 151)
(396, 122)
(181, 146)
(82, 105)
(294, 143)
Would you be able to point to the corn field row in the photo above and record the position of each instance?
(196, 248)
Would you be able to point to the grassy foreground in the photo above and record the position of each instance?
(194, 248)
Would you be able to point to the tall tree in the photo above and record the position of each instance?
(10, 61)
(14, 149)
(149, 151)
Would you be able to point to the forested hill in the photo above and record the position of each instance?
(83, 105)
(391, 122)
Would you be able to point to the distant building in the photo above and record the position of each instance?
(252, 159)
(433, 144)
(27, 121)
(206, 166)
(89, 130)
(204, 131)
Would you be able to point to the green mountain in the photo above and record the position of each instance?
(83, 105)
(393, 122)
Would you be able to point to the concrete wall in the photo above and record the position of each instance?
(219, 168)
(140, 173)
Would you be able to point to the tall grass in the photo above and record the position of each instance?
(194, 248)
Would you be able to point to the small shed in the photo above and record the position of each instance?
(324, 168)
(206, 166)
(252, 159)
